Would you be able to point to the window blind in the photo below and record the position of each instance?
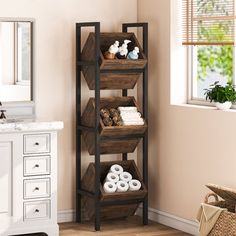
(208, 22)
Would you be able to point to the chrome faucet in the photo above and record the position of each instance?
(2, 116)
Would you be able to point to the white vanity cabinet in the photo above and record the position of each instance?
(28, 178)
(5, 180)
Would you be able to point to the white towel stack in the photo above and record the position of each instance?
(118, 180)
(130, 116)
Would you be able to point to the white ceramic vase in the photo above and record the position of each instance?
(223, 106)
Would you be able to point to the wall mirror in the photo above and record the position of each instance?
(16, 60)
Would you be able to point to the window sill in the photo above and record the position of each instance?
(205, 107)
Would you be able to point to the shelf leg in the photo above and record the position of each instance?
(145, 211)
(97, 183)
(124, 94)
(145, 177)
(79, 27)
(144, 27)
(145, 112)
(78, 121)
(97, 135)
(97, 217)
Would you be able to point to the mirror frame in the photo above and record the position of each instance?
(23, 108)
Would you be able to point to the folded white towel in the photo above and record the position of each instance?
(130, 112)
(127, 109)
(133, 122)
(131, 117)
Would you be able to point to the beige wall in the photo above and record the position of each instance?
(54, 66)
(188, 147)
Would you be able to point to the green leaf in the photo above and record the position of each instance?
(219, 93)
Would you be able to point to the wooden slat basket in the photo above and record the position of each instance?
(118, 138)
(114, 211)
(226, 223)
(109, 79)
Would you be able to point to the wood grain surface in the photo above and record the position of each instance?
(131, 227)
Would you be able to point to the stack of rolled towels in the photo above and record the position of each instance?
(130, 116)
(118, 180)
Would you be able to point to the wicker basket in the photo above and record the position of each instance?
(226, 223)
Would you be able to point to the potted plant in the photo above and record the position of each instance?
(223, 96)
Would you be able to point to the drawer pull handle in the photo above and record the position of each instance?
(36, 166)
(36, 189)
(37, 144)
(36, 211)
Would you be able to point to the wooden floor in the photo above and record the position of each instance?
(130, 227)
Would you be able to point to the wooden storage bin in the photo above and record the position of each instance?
(118, 138)
(109, 79)
(117, 211)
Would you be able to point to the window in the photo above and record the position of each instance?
(208, 33)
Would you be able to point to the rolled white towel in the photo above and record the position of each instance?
(122, 186)
(125, 176)
(134, 185)
(116, 169)
(111, 177)
(109, 187)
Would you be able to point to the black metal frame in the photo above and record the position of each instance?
(80, 127)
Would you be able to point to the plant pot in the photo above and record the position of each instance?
(223, 106)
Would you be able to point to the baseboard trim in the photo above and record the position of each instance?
(66, 216)
(170, 220)
(161, 217)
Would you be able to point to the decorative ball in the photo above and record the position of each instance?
(114, 112)
(111, 117)
(119, 123)
(116, 120)
(107, 121)
(104, 112)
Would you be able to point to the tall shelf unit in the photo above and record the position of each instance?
(98, 72)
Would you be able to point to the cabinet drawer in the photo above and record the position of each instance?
(37, 210)
(36, 188)
(36, 143)
(37, 165)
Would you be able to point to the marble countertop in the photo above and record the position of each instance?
(28, 125)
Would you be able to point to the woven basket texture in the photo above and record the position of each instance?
(226, 223)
